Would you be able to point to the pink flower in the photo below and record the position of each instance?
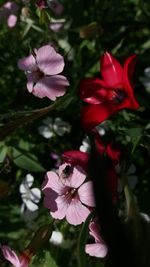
(97, 249)
(68, 195)
(9, 12)
(17, 261)
(42, 69)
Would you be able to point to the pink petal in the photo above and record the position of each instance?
(76, 178)
(50, 199)
(32, 79)
(11, 256)
(27, 63)
(53, 181)
(11, 21)
(94, 228)
(76, 212)
(111, 70)
(62, 205)
(96, 250)
(49, 62)
(86, 194)
(51, 87)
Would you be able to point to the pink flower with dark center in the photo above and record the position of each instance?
(97, 249)
(68, 195)
(9, 12)
(42, 69)
(17, 261)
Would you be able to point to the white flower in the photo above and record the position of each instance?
(29, 196)
(61, 127)
(50, 127)
(101, 130)
(56, 238)
(85, 145)
(46, 130)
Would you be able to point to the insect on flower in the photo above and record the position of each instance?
(68, 170)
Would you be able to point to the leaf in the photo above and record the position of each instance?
(81, 255)
(26, 161)
(49, 261)
(134, 132)
(3, 153)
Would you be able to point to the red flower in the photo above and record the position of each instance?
(110, 94)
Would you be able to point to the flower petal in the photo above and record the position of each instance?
(11, 21)
(62, 206)
(96, 250)
(76, 157)
(11, 256)
(49, 62)
(86, 194)
(29, 204)
(111, 70)
(26, 184)
(27, 63)
(93, 90)
(76, 212)
(92, 115)
(45, 131)
(75, 179)
(53, 181)
(32, 78)
(127, 81)
(51, 87)
(35, 194)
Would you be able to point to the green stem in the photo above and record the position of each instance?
(10, 127)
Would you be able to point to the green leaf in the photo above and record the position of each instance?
(26, 161)
(3, 153)
(49, 260)
(134, 132)
(82, 262)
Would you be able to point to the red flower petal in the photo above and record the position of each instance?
(76, 157)
(111, 70)
(127, 81)
(92, 115)
(93, 90)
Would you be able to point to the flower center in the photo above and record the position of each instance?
(118, 95)
(71, 193)
(39, 74)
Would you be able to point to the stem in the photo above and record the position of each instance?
(10, 127)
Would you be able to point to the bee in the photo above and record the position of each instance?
(68, 170)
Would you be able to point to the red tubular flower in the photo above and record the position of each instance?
(110, 94)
